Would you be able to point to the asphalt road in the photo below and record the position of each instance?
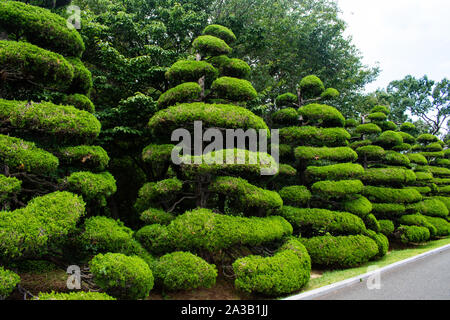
(425, 279)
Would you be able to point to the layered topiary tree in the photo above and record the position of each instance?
(46, 133)
(200, 208)
(326, 207)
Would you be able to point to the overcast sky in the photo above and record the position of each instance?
(404, 36)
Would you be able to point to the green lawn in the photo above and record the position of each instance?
(329, 277)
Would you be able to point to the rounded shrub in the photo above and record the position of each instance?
(79, 101)
(322, 115)
(389, 139)
(396, 159)
(388, 176)
(8, 187)
(442, 226)
(285, 272)
(341, 154)
(359, 206)
(89, 157)
(121, 276)
(431, 207)
(362, 143)
(153, 191)
(351, 123)
(295, 195)
(92, 186)
(402, 147)
(337, 189)
(157, 153)
(427, 138)
(286, 100)
(311, 86)
(444, 200)
(371, 153)
(81, 295)
(312, 222)
(191, 71)
(231, 67)
(417, 159)
(407, 138)
(377, 116)
(220, 32)
(343, 171)
(341, 252)
(371, 223)
(212, 116)
(388, 210)
(313, 136)
(388, 195)
(156, 216)
(45, 222)
(184, 271)
(381, 240)
(330, 93)
(413, 234)
(233, 89)
(185, 92)
(8, 282)
(386, 227)
(368, 128)
(407, 127)
(41, 27)
(288, 116)
(211, 46)
(382, 109)
(154, 238)
(418, 220)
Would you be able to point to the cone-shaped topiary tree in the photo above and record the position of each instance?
(46, 132)
(230, 207)
(326, 207)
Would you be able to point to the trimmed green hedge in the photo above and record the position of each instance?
(295, 195)
(432, 208)
(212, 115)
(92, 157)
(382, 109)
(41, 27)
(368, 128)
(407, 127)
(184, 271)
(157, 153)
(377, 116)
(381, 240)
(20, 155)
(386, 227)
(31, 63)
(203, 229)
(371, 153)
(233, 89)
(121, 276)
(342, 154)
(82, 77)
(43, 222)
(418, 220)
(156, 216)
(341, 252)
(185, 92)
(322, 115)
(312, 222)
(103, 235)
(313, 136)
(388, 210)
(343, 171)
(231, 67)
(246, 194)
(79, 101)
(220, 32)
(152, 192)
(407, 138)
(413, 234)
(360, 206)
(388, 195)
(285, 272)
(8, 186)
(66, 123)
(389, 139)
(211, 46)
(442, 226)
(191, 71)
(337, 189)
(372, 223)
(388, 176)
(396, 159)
(8, 282)
(74, 296)
(330, 93)
(92, 186)
(427, 138)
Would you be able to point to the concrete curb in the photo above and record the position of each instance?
(310, 295)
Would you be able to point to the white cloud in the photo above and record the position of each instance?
(404, 36)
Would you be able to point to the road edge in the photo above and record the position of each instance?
(309, 295)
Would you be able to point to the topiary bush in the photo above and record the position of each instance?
(185, 92)
(191, 71)
(322, 115)
(8, 282)
(337, 189)
(233, 89)
(285, 272)
(335, 172)
(122, 276)
(324, 153)
(75, 296)
(386, 227)
(359, 206)
(184, 271)
(413, 234)
(389, 195)
(211, 46)
(312, 136)
(220, 32)
(156, 216)
(295, 195)
(311, 86)
(343, 251)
